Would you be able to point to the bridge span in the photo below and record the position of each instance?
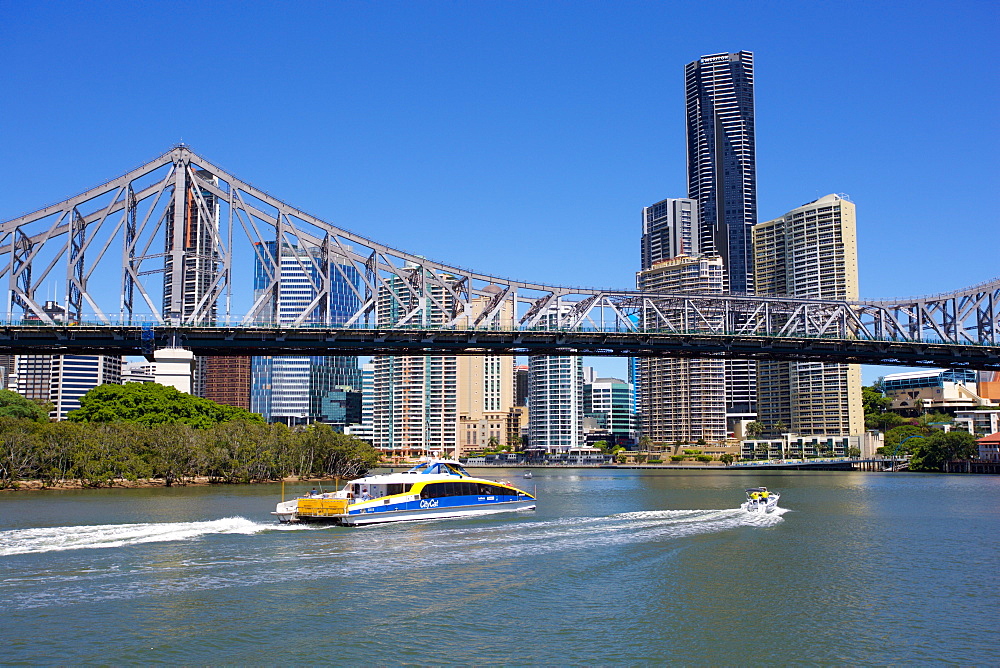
(179, 245)
(256, 340)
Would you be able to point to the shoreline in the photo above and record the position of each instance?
(143, 483)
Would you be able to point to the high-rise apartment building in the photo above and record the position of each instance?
(811, 252)
(292, 389)
(669, 229)
(486, 392)
(722, 176)
(415, 409)
(683, 400)
(555, 397)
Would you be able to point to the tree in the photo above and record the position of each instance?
(644, 443)
(727, 458)
(603, 446)
(780, 427)
(755, 428)
(760, 452)
(14, 405)
(931, 453)
(898, 441)
(152, 404)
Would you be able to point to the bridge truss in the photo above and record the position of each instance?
(186, 247)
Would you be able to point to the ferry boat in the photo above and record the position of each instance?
(759, 499)
(435, 489)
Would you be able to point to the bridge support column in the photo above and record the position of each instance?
(174, 368)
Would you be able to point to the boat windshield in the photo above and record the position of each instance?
(440, 468)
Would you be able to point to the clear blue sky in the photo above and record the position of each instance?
(522, 138)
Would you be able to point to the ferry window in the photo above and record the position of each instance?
(432, 491)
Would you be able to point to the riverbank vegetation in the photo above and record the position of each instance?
(148, 431)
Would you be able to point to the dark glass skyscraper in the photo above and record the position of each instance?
(721, 161)
(722, 176)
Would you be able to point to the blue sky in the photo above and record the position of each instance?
(522, 138)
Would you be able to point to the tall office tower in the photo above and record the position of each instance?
(811, 252)
(415, 409)
(722, 176)
(6, 371)
(292, 389)
(62, 379)
(669, 229)
(611, 401)
(521, 385)
(364, 428)
(683, 399)
(195, 266)
(555, 397)
(227, 380)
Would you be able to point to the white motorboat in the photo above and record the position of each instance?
(760, 499)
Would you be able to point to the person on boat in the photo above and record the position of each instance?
(365, 496)
(754, 496)
(313, 492)
(764, 494)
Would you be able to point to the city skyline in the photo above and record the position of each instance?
(533, 144)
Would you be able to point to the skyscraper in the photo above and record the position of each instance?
(683, 400)
(810, 252)
(669, 229)
(721, 159)
(415, 408)
(555, 396)
(292, 389)
(193, 263)
(722, 176)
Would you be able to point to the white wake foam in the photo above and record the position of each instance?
(54, 539)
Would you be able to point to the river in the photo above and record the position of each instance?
(613, 567)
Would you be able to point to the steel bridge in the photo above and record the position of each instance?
(180, 252)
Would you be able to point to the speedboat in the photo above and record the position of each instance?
(430, 490)
(759, 499)
(528, 475)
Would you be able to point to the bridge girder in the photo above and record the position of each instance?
(190, 244)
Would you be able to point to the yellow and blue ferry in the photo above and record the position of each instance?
(436, 489)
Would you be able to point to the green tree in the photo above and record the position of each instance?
(726, 458)
(152, 404)
(780, 427)
(755, 428)
(645, 443)
(14, 405)
(931, 453)
(900, 435)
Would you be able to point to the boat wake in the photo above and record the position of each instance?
(55, 539)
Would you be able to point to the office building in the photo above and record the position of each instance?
(810, 252)
(682, 400)
(199, 267)
(227, 380)
(62, 379)
(521, 385)
(609, 402)
(6, 371)
(293, 389)
(722, 177)
(914, 393)
(364, 428)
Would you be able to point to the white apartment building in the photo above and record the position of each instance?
(810, 252)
